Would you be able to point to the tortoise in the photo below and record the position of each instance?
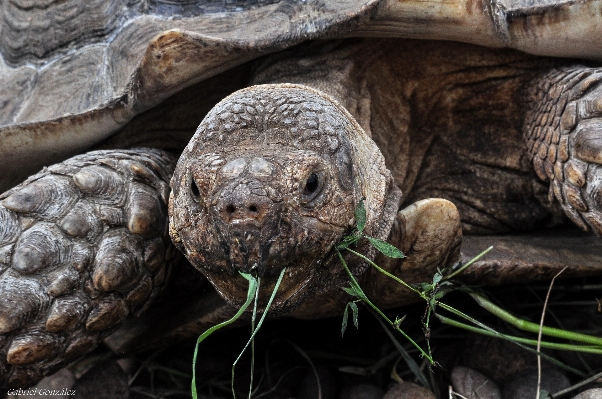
(436, 137)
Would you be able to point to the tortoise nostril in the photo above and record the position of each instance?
(238, 205)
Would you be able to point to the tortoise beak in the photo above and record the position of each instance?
(246, 247)
(250, 224)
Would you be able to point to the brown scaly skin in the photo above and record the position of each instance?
(451, 118)
(446, 116)
(82, 245)
(564, 139)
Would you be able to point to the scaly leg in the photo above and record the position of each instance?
(563, 129)
(83, 244)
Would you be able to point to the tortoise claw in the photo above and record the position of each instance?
(429, 233)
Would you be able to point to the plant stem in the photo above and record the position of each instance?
(493, 333)
(533, 327)
(540, 332)
(499, 335)
(377, 310)
(252, 340)
(386, 273)
(473, 260)
(265, 312)
(579, 385)
(405, 355)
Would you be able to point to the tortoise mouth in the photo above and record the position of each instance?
(247, 250)
(299, 282)
(247, 224)
(249, 245)
(283, 239)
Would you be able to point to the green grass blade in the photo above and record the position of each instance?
(265, 312)
(251, 292)
(533, 327)
(492, 333)
(253, 318)
(473, 260)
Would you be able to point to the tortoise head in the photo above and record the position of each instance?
(271, 179)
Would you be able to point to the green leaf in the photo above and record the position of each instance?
(440, 294)
(343, 244)
(248, 277)
(355, 313)
(360, 216)
(386, 248)
(345, 316)
(425, 287)
(352, 291)
(436, 278)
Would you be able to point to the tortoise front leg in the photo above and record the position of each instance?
(429, 233)
(563, 129)
(83, 244)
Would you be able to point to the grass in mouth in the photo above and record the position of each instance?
(252, 296)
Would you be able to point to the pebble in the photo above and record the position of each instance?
(472, 384)
(524, 384)
(407, 390)
(496, 358)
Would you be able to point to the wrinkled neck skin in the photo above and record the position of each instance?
(271, 179)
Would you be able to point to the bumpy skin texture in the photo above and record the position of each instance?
(564, 138)
(271, 179)
(446, 117)
(83, 244)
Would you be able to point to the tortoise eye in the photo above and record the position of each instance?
(312, 184)
(194, 190)
(313, 187)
